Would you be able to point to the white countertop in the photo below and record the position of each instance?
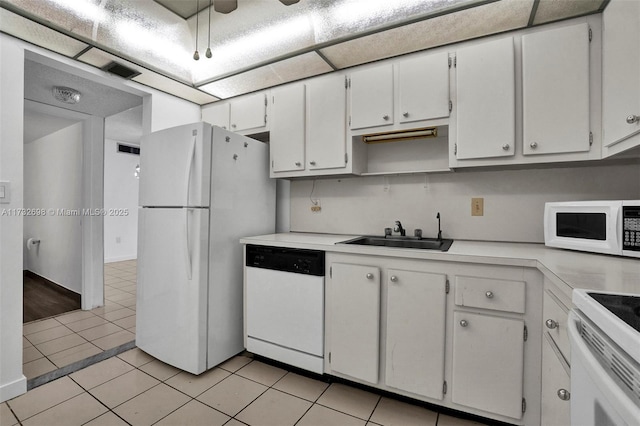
(566, 269)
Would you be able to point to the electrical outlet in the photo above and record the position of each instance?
(118, 241)
(477, 207)
(315, 206)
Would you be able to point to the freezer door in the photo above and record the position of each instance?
(171, 308)
(175, 166)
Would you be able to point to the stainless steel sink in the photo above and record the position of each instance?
(403, 242)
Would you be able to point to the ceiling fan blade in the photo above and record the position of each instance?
(225, 6)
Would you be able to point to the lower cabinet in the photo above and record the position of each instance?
(447, 333)
(488, 357)
(355, 317)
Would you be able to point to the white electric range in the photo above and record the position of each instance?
(604, 330)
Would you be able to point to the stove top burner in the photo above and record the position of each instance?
(625, 307)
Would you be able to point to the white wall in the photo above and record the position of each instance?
(120, 193)
(513, 201)
(12, 381)
(53, 180)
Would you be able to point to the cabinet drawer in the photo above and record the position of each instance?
(490, 293)
(555, 316)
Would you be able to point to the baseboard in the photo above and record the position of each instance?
(13, 389)
(54, 285)
(120, 258)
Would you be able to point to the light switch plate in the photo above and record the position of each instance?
(5, 192)
(477, 207)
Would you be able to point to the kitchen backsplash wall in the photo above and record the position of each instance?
(513, 200)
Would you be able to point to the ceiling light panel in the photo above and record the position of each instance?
(296, 68)
(554, 10)
(467, 24)
(39, 35)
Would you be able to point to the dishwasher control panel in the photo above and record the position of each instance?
(299, 261)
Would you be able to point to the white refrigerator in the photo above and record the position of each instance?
(202, 188)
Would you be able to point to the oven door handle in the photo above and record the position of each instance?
(599, 376)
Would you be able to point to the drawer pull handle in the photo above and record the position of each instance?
(489, 295)
(464, 323)
(564, 394)
(551, 324)
(369, 276)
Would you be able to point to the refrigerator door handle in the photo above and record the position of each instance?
(187, 244)
(192, 153)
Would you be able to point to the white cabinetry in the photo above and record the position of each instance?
(415, 343)
(217, 114)
(354, 307)
(485, 100)
(248, 113)
(423, 87)
(556, 382)
(620, 76)
(287, 131)
(488, 348)
(372, 97)
(555, 86)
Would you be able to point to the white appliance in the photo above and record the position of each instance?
(609, 227)
(202, 188)
(284, 305)
(604, 332)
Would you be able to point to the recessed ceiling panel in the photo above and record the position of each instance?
(31, 32)
(467, 24)
(554, 10)
(292, 69)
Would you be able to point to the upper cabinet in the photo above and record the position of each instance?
(423, 87)
(620, 76)
(287, 128)
(555, 91)
(245, 115)
(372, 97)
(485, 101)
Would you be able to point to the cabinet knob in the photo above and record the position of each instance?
(551, 324)
(313, 163)
(394, 279)
(385, 117)
(633, 119)
(369, 276)
(233, 126)
(298, 164)
(464, 323)
(405, 114)
(564, 394)
(489, 295)
(506, 147)
(533, 145)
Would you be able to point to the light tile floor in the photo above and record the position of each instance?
(135, 389)
(56, 342)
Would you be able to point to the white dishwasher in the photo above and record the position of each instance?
(284, 305)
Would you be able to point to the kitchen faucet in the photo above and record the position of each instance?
(399, 228)
(439, 231)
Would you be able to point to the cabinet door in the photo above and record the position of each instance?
(488, 363)
(555, 90)
(326, 125)
(248, 112)
(620, 70)
(217, 115)
(415, 346)
(556, 385)
(485, 100)
(423, 87)
(355, 316)
(286, 140)
(372, 97)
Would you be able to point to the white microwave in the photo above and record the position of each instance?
(610, 227)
